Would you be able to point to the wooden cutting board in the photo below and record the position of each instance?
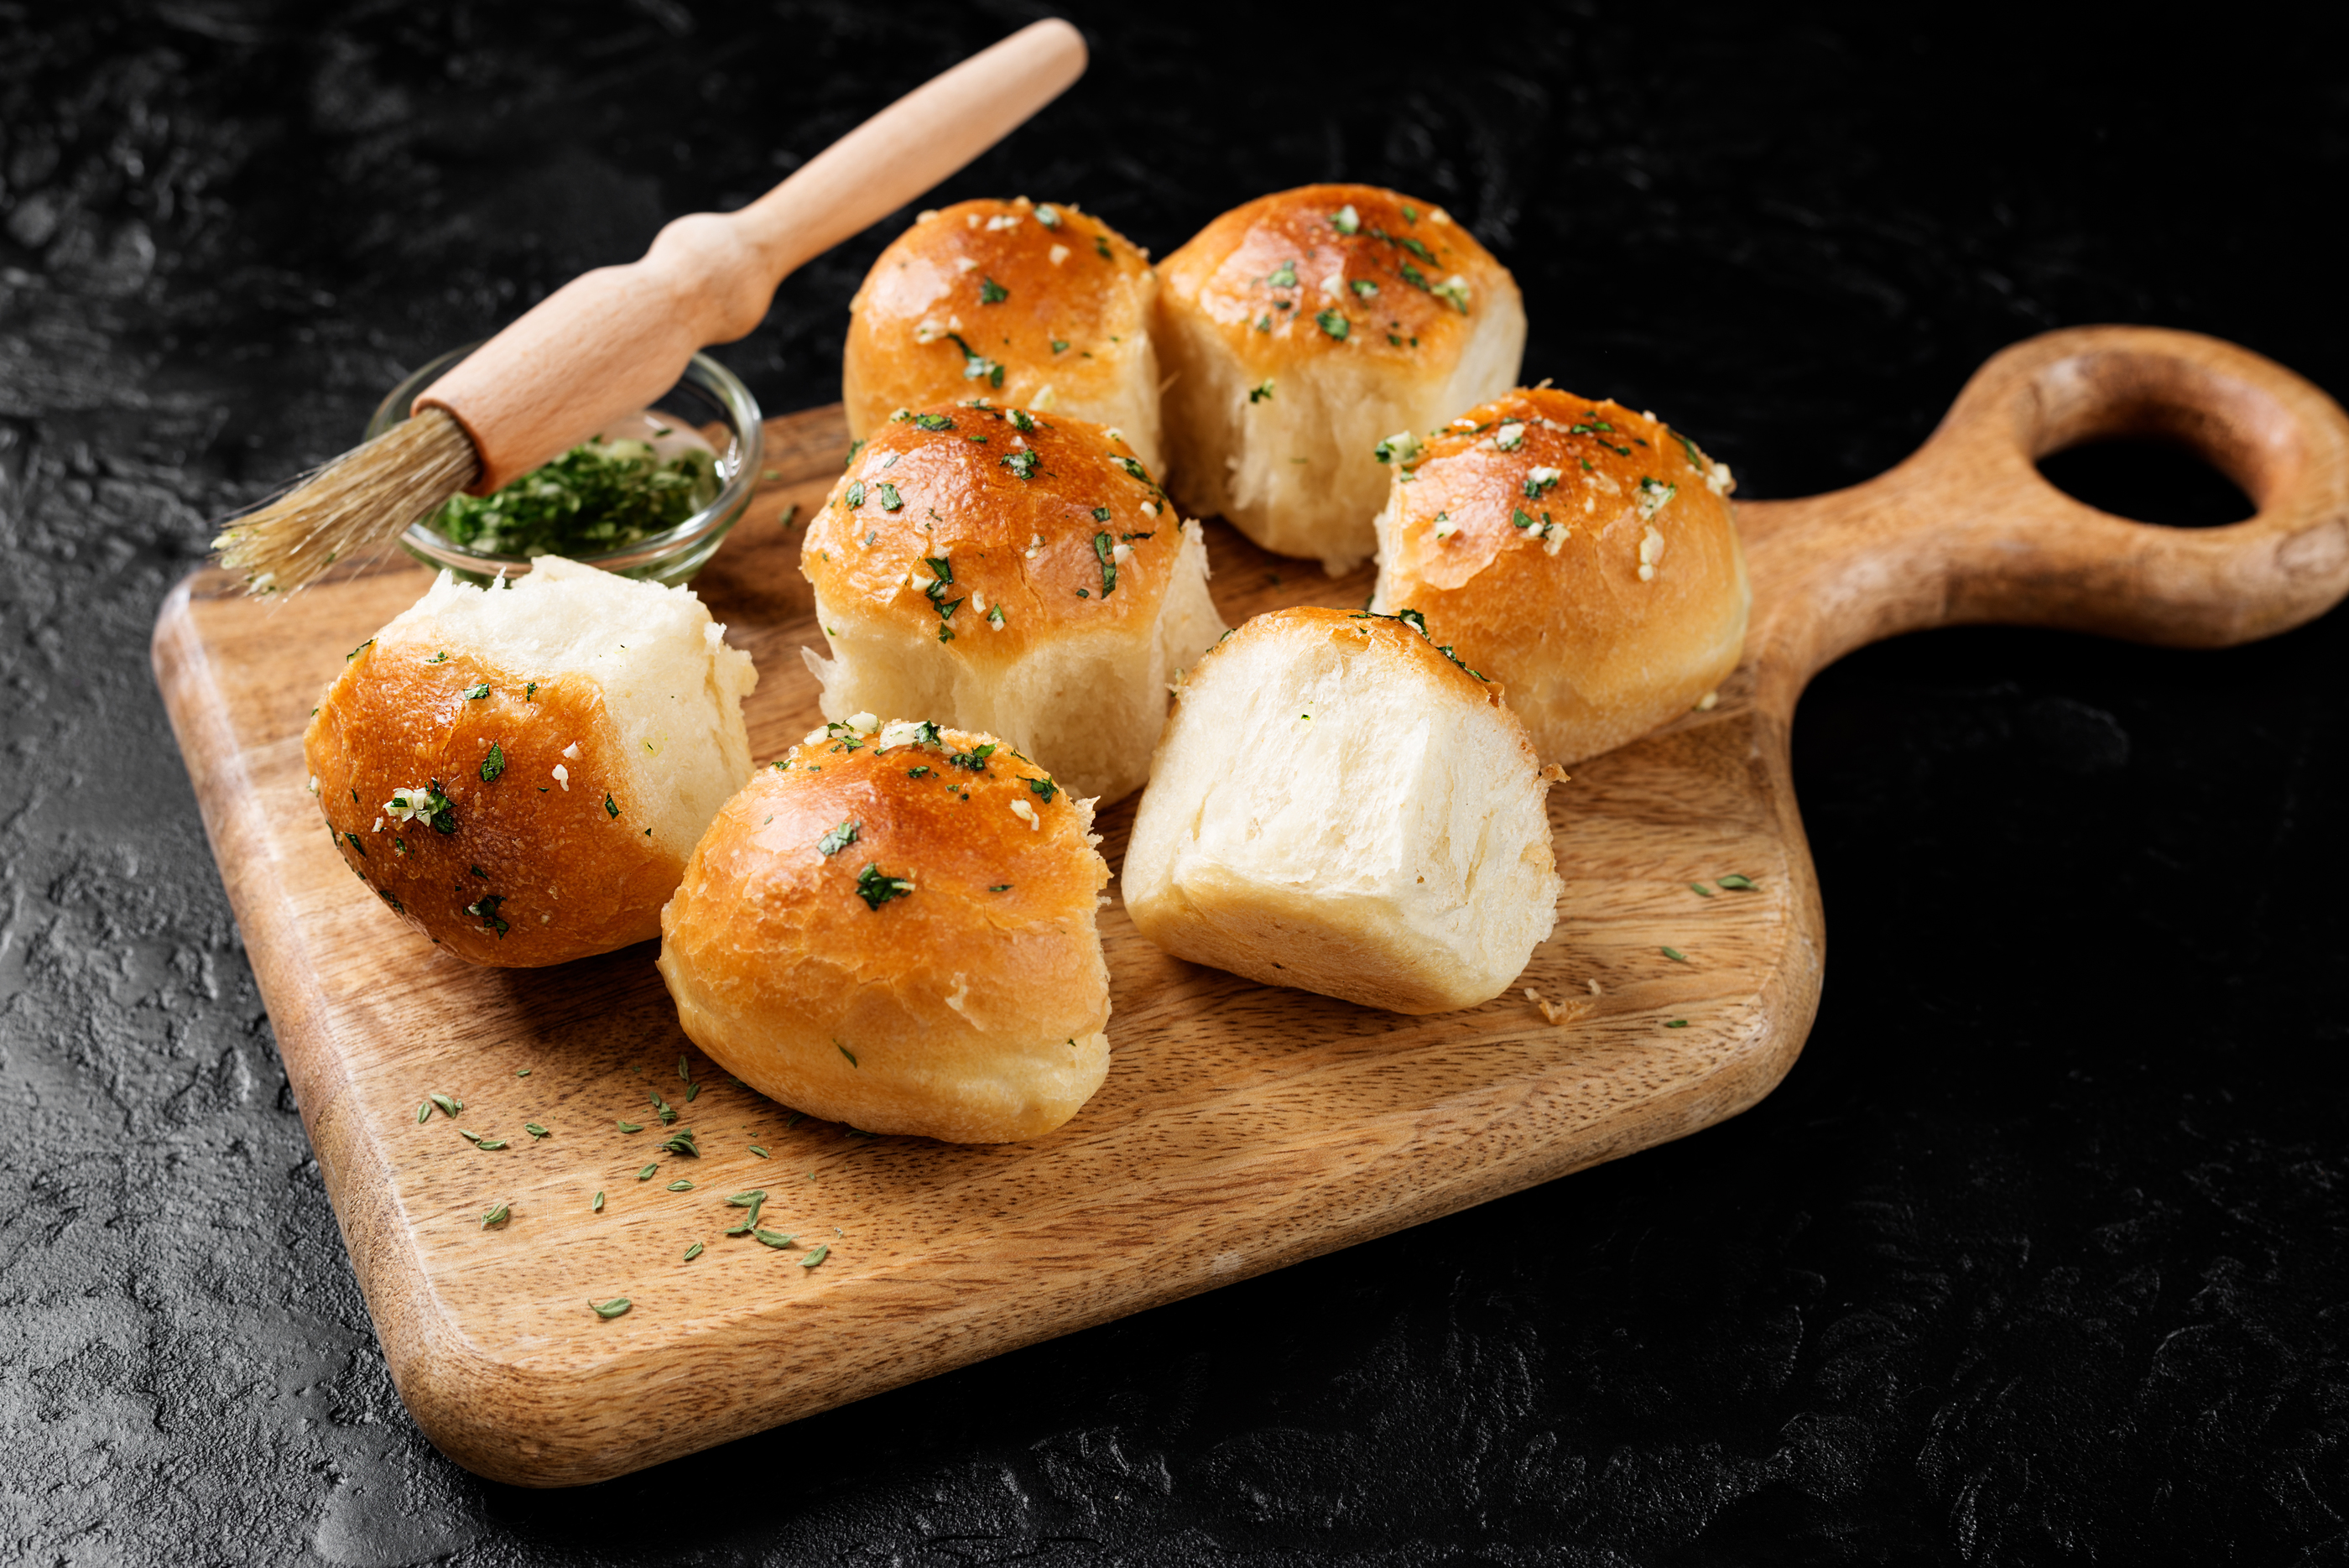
(1242, 1127)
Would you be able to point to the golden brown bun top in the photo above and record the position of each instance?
(958, 831)
(507, 866)
(1497, 479)
(982, 271)
(980, 488)
(1400, 636)
(1282, 276)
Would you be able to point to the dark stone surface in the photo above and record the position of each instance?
(2038, 1254)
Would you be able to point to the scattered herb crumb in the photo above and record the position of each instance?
(693, 1251)
(496, 1214)
(612, 1308)
(824, 1251)
(1675, 955)
(597, 1205)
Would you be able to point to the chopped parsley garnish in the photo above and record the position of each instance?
(486, 909)
(1044, 787)
(1410, 213)
(439, 658)
(1101, 514)
(933, 423)
(1335, 325)
(1399, 449)
(1284, 275)
(1048, 215)
(1105, 549)
(1696, 458)
(600, 496)
(992, 292)
(876, 887)
(855, 495)
(1135, 469)
(847, 1052)
(1022, 420)
(977, 367)
(1060, 345)
(838, 838)
(890, 500)
(428, 805)
(1101, 246)
(917, 773)
(1346, 220)
(609, 809)
(1364, 288)
(975, 759)
(1454, 291)
(1518, 516)
(1261, 393)
(357, 845)
(494, 764)
(1021, 463)
(475, 693)
(355, 652)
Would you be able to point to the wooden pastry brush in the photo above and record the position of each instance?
(608, 343)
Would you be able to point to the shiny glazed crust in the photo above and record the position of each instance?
(1589, 561)
(529, 873)
(967, 493)
(972, 1007)
(1010, 572)
(1300, 329)
(1035, 305)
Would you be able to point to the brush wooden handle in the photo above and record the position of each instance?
(609, 342)
(1968, 530)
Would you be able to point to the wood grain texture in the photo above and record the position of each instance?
(1242, 1127)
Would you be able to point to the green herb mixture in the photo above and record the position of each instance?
(601, 495)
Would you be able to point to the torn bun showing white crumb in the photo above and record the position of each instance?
(520, 772)
(1338, 805)
(1583, 555)
(1010, 572)
(1029, 303)
(893, 926)
(1302, 330)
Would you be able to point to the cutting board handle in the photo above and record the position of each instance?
(1968, 530)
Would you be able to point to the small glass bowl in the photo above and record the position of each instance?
(710, 399)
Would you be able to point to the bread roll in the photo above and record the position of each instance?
(893, 926)
(520, 773)
(1300, 330)
(1338, 805)
(1029, 303)
(1014, 573)
(1583, 555)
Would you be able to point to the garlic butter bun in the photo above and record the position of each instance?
(1027, 303)
(1583, 555)
(893, 926)
(520, 773)
(1300, 330)
(1338, 805)
(1011, 572)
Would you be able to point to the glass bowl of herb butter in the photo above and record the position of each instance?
(650, 495)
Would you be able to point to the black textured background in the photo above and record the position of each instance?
(2038, 1254)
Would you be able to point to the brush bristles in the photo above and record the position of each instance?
(360, 501)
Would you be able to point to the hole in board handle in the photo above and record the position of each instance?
(2147, 480)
